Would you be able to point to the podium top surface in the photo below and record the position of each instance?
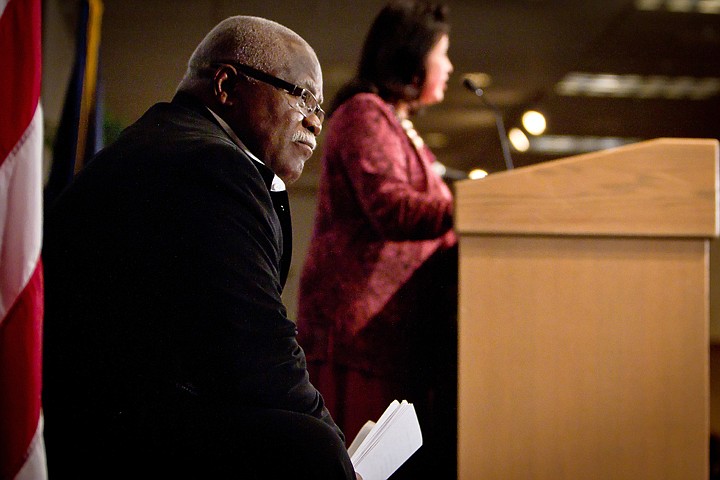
(662, 187)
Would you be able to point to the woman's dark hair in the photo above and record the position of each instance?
(392, 63)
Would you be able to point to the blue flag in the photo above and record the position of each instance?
(80, 132)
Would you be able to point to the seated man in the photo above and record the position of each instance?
(168, 351)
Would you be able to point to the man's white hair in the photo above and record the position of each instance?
(254, 41)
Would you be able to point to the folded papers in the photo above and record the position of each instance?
(381, 447)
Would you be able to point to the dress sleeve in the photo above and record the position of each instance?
(370, 147)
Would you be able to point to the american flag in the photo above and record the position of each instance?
(22, 451)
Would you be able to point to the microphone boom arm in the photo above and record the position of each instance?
(470, 85)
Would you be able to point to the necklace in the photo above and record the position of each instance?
(412, 134)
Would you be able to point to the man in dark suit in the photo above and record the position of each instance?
(168, 351)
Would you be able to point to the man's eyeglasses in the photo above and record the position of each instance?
(307, 103)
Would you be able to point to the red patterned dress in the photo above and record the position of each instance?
(378, 291)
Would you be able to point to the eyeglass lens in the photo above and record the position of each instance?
(309, 104)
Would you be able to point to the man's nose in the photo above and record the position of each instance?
(312, 122)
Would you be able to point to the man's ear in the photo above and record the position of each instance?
(224, 81)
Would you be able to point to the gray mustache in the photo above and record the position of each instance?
(305, 138)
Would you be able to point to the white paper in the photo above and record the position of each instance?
(360, 437)
(378, 450)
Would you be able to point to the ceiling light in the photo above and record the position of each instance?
(603, 84)
(637, 86)
(573, 144)
(534, 122)
(680, 6)
(518, 140)
(679, 87)
(706, 87)
(708, 6)
(477, 174)
(652, 86)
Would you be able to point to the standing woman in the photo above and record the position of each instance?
(378, 291)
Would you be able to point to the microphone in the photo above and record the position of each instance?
(470, 85)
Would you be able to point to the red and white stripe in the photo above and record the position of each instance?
(22, 451)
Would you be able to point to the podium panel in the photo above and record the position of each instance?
(583, 324)
(585, 358)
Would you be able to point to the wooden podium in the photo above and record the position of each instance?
(583, 324)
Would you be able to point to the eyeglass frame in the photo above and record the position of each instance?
(291, 88)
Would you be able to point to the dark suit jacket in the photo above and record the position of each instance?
(164, 263)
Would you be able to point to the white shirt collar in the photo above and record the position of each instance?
(277, 183)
